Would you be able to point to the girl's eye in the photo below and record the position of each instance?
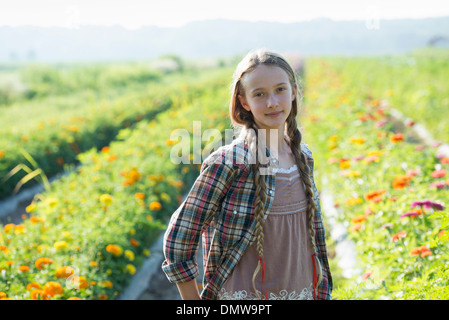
(282, 89)
(259, 94)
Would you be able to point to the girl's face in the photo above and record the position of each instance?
(268, 96)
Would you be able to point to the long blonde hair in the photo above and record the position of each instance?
(242, 118)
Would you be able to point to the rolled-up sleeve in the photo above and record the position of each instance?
(181, 239)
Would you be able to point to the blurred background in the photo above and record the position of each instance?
(63, 31)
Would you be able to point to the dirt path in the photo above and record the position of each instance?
(160, 288)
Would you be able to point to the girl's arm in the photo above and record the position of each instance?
(189, 290)
(184, 230)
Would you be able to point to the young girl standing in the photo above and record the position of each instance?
(255, 202)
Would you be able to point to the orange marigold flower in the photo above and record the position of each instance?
(24, 268)
(38, 295)
(33, 285)
(155, 205)
(169, 142)
(400, 182)
(102, 296)
(52, 288)
(134, 175)
(134, 242)
(345, 164)
(36, 219)
(114, 249)
(64, 272)
(73, 298)
(20, 228)
(41, 262)
(105, 149)
(139, 195)
(107, 283)
(358, 219)
(374, 196)
(8, 227)
(80, 282)
(397, 137)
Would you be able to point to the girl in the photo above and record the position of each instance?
(255, 202)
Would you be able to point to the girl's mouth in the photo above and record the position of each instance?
(274, 115)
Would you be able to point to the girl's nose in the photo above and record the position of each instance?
(272, 101)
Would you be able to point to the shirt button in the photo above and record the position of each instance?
(271, 191)
(235, 211)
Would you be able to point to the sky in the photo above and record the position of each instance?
(133, 14)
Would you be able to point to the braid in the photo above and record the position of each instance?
(260, 199)
(295, 145)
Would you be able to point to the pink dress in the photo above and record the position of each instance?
(287, 249)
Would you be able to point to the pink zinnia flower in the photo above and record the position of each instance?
(413, 172)
(438, 184)
(399, 235)
(380, 123)
(428, 204)
(412, 213)
(358, 158)
(439, 173)
(366, 275)
(420, 147)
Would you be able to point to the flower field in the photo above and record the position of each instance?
(69, 110)
(391, 192)
(88, 234)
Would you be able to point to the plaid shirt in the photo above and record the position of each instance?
(220, 207)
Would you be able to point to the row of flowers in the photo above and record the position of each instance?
(390, 192)
(93, 229)
(55, 138)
